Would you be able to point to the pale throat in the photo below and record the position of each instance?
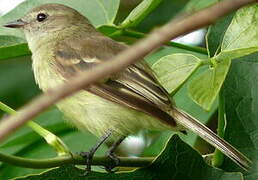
(43, 62)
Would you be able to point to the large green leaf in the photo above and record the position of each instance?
(173, 70)
(242, 33)
(10, 40)
(205, 88)
(241, 104)
(182, 101)
(166, 10)
(140, 12)
(177, 161)
(14, 50)
(17, 83)
(241, 37)
(235, 53)
(216, 33)
(169, 9)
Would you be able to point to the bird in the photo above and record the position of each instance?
(64, 43)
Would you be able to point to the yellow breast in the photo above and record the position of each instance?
(86, 110)
(45, 73)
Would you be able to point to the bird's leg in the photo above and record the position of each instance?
(111, 154)
(88, 156)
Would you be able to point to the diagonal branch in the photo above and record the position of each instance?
(136, 52)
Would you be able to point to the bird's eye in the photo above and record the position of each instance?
(41, 17)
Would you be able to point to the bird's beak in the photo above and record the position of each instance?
(15, 24)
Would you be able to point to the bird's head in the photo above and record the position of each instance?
(49, 18)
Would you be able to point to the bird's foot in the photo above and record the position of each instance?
(88, 156)
(115, 163)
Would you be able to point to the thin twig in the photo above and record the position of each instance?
(135, 34)
(54, 141)
(74, 159)
(136, 52)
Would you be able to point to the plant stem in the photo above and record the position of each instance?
(7, 109)
(74, 159)
(206, 62)
(218, 156)
(62, 160)
(51, 138)
(135, 34)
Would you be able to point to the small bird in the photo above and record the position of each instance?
(64, 43)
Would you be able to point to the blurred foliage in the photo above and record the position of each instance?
(17, 82)
(178, 160)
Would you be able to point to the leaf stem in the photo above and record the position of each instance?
(218, 156)
(136, 34)
(206, 62)
(50, 138)
(140, 12)
(74, 159)
(7, 109)
(62, 160)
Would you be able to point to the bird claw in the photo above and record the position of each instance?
(116, 161)
(88, 162)
(110, 169)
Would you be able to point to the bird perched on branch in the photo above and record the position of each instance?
(64, 43)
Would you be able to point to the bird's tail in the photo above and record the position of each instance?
(201, 130)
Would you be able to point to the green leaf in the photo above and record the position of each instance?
(9, 41)
(205, 88)
(11, 46)
(165, 11)
(139, 13)
(99, 12)
(241, 104)
(173, 70)
(182, 100)
(242, 33)
(108, 30)
(235, 53)
(168, 9)
(216, 33)
(13, 51)
(177, 161)
(17, 83)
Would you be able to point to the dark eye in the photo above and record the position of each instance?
(41, 17)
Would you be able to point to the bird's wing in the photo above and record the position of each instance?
(135, 87)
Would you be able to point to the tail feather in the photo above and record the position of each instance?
(194, 125)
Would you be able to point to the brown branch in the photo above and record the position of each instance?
(169, 31)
